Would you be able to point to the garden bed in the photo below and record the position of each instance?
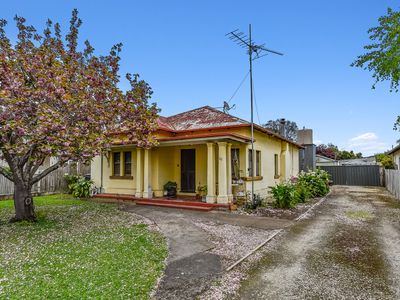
(281, 213)
(291, 198)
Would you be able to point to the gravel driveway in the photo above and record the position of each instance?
(349, 250)
(201, 246)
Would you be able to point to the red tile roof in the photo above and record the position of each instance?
(200, 118)
(207, 117)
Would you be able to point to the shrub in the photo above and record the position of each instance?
(385, 160)
(284, 195)
(301, 188)
(71, 179)
(253, 203)
(170, 185)
(316, 182)
(81, 187)
(302, 193)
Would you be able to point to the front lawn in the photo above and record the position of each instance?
(78, 250)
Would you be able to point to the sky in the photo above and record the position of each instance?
(180, 49)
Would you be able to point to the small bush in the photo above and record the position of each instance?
(284, 195)
(253, 203)
(300, 189)
(317, 182)
(302, 193)
(71, 179)
(385, 160)
(81, 187)
(170, 185)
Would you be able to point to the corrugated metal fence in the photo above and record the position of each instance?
(370, 175)
(392, 180)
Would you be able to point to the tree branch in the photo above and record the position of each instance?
(33, 169)
(6, 174)
(27, 155)
(47, 171)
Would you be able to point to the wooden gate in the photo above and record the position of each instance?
(355, 175)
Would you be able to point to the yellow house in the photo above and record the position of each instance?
(395, 154)
(203, 147)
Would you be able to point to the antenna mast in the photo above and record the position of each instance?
(259, 51)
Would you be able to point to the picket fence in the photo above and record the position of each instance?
(52, 183)
(392, 180)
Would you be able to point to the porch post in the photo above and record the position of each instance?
(139, 185)
(229, 171)
(147, 190)
(210, 173)
(222, 174)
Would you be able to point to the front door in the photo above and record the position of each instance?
(188, 164)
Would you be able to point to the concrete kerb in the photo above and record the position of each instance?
(302, 216)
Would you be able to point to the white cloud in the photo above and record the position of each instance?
(367, 143)
(318, 142)
(365, 137)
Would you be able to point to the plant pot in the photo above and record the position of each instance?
(171, 192)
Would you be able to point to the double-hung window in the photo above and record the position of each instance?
(127, 163)
(258, 163)
(117, 164)
(122, 164)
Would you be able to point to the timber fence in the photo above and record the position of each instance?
(52, 183)
(392, 182)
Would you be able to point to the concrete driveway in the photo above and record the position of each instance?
(349, 250)
(201, 245)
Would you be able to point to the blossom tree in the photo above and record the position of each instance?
(58, 101)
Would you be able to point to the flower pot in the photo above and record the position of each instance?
(171, 192)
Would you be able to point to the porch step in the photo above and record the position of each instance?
(177, 203)
(173, 205)
(115, 196)
(181, 202)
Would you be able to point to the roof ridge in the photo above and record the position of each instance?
(185, 112)
(237, 118)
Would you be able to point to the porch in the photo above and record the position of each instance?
(196, 165)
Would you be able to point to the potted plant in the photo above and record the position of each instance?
(170, 188)
(202, 189)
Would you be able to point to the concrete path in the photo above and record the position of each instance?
(191, 267)
(349, 250)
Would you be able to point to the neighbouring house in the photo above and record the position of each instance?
(321, 161)
(395, 154)
(363, 161)
(201, 149)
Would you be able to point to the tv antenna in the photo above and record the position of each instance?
(226, 108)
(255, 51)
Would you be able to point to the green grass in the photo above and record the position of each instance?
(359, 215)
(59, 199)
(78, 250)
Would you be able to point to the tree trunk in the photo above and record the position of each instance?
(23, 203)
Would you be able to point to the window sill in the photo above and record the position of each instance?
(255, 178)
(121, 177)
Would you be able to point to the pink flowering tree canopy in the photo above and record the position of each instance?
(58, 101)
